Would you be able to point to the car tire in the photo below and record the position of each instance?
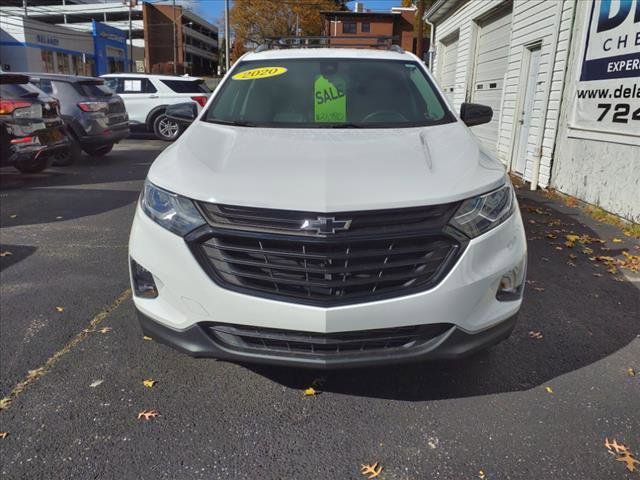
(166, 129)
(69, 157)
(35, 166)
(100, 151)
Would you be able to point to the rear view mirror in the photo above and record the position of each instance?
(475, 114)
(184, 113)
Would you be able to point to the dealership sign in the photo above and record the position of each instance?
(608, 93)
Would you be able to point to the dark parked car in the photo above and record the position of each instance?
(32, 133)
(95, 117)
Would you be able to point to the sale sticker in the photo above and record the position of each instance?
(263, 72)
(330, 100)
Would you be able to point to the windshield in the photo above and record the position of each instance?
(328, 93)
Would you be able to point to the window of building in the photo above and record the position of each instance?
(62, 60)
(349, 27)
(366, 27)
(47, 61)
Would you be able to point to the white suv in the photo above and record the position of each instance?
(328, 208)
(146, 98)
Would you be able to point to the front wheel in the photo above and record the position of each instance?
(165, 128)
(100, 151)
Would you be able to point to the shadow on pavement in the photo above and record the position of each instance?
(129, 161)
(58, 204)
(583, 312)
(12, 254)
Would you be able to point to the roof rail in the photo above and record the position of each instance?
(364, 41)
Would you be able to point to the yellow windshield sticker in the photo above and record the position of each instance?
(263, 72)
(330, 101)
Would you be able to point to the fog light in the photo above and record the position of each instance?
(511, 284)
(143, 283)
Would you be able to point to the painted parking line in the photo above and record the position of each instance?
(38, 373)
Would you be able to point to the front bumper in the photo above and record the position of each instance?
(188, 299)
(454, 343)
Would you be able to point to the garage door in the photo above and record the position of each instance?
(491, 61)
(448, 66)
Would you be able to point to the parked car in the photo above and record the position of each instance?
(95, 117)
(328, 209)
(31, 130)
(147, 96)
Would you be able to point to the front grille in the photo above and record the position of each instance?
(381, 255)
(269, 340)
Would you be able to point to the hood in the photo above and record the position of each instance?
(326, 170)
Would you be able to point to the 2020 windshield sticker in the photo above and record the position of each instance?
(330, 100)
(262, 72)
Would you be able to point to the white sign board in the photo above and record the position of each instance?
(608, 91)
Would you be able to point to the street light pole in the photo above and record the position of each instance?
(226, 35)
(130, 38)
(175, 71)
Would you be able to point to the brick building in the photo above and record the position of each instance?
(364, 29)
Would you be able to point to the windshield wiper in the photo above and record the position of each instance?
(235, 123)
(346, 125)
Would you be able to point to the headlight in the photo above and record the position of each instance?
(171, 211)
(480, 214)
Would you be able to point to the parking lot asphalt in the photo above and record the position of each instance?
(73, 360)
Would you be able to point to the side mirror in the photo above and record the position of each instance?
(475, 114)
(184, 113)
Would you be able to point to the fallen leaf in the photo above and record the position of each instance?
(571, 264)
(4, 434)
(572, 238)
(148, 414)
(309, 392)
(371, 471)
(539, 289)
(551, 235)
(572, 256)
(587, 250)
(105, 330)
(58, 217)
(616, 240)
(95, 383)
(13, 216)
(60, 309)
(5, 254)
(558, 248)
(597, 274)
(149, 383)
(481, 475)
(536, 334)
(622, 453)
(615, 447)
(629, 460)
(631, 372)
(147, 338)
(548, 389)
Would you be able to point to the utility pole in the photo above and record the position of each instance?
(175, 70)
(132, 3)
(226, 35)
(24, 5)
(420, 29)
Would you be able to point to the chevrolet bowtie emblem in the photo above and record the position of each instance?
(325, 225)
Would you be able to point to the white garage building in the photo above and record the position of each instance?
(530, 60)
